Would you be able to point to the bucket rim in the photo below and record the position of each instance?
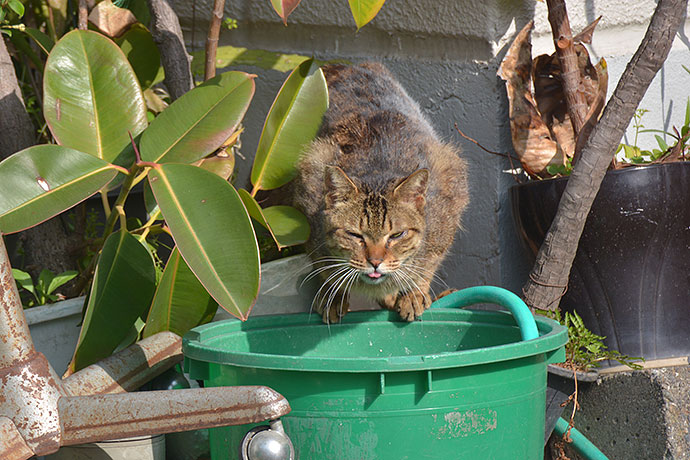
(552, 337)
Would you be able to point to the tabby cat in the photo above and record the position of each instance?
(382, 193)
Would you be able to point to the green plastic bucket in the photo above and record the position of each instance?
(459, 384)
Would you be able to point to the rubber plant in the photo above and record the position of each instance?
(363, 11)
(206, 61)
(95, 109)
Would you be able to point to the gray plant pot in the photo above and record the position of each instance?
(55, 328)
(139, 448)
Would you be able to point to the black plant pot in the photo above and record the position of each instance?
(630, 280)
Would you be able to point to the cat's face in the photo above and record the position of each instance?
(375, 233)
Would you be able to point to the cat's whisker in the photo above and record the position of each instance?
(295, 274)
(332, 291)
(333, 288)
(403, 278)
(326, 267)
(424, 273)
(413, 274)
(330, 259)
(398, 281)
(343, 282)
(348, 287)
(300, 270)
(420, 268)
(326, 284)
(343, 285)
(416, 286)
(321, 270)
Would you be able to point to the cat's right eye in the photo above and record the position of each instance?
(354, 235)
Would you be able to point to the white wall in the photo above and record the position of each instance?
(446, 53)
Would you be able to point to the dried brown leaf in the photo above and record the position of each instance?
(596, 105)
(532, 141)
(551, 103)
(585, 36)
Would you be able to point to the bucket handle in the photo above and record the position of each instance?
(494, 295)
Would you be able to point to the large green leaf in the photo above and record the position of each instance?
(42, 40)
(213, 232)
(121, 292)
(23, 48)
(365, 10)
(200, 121)
(291, 125)
(284, 8)
(92, 97)
(42, 181)
(142, 53)
(180, 302)
(287, 225)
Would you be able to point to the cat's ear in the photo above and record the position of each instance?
(338, 185)
(413, 188)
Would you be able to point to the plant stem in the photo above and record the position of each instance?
(570, 71)
(83, 21)
(120, 201)
(120, 210)
(212, 39)
(255, 190)
(146, 228)
(106, 204)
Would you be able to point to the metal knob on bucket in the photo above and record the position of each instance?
(267, 443)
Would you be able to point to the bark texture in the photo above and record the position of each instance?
(16, 132)
(212, 39)
(46, 245)
(549, 276)
(83, 17)
(570, 71)
(166, 31)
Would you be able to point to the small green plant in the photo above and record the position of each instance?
(585, 350)
(561, 170)
(8, 8)
(42, 292)
(230, 23)
(633, 154)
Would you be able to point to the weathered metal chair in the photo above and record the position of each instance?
(39, 412)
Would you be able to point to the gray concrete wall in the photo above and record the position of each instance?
(446, 53)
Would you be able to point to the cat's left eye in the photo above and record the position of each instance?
(354, 235)
(397, 235)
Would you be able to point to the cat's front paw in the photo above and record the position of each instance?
(411, 305)
(334, 313)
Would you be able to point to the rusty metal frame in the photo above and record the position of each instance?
(39, 412)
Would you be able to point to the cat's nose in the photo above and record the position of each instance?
(375, 263)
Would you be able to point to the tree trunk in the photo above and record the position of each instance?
(212, 39)
(166, 31)
(549, 276)
(570, 74)
(46, 245)
(83, 16)
(16, 129)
